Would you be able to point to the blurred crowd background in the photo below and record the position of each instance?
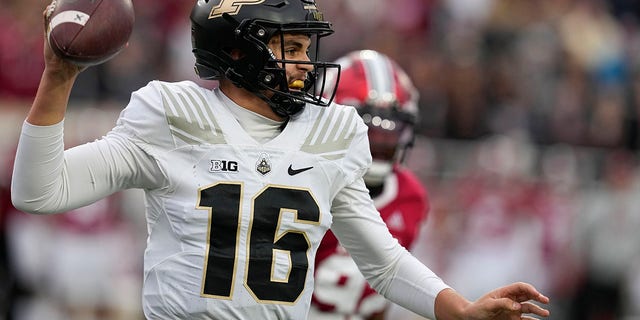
(528, 144)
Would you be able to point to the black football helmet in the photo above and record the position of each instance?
(218, 26)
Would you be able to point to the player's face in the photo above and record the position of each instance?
(293, 47)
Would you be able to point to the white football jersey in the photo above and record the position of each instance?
(234, 228)
(234, 224)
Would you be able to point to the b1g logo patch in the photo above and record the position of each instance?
(231, 7)
(223, 166)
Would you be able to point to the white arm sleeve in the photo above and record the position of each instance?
(388, 267)
(47, 179)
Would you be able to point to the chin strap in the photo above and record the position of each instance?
(285, 106)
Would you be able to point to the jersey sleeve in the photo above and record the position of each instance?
(389, 268)
(48, 179)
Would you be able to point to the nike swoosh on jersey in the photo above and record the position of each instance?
(293, 172)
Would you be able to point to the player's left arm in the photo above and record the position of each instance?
(388, 267)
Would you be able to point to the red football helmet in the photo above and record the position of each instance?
(387, 101)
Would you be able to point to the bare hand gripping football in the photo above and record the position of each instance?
(89, 32)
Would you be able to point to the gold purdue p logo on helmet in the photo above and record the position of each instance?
(231, 7)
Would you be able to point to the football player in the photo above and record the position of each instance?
(241, 181)
(387, 101)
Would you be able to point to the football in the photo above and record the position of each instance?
(89, 32)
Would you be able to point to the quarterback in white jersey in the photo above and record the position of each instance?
(242, 234)
(242, 181)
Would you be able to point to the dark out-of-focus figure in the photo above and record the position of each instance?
(607, 240)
